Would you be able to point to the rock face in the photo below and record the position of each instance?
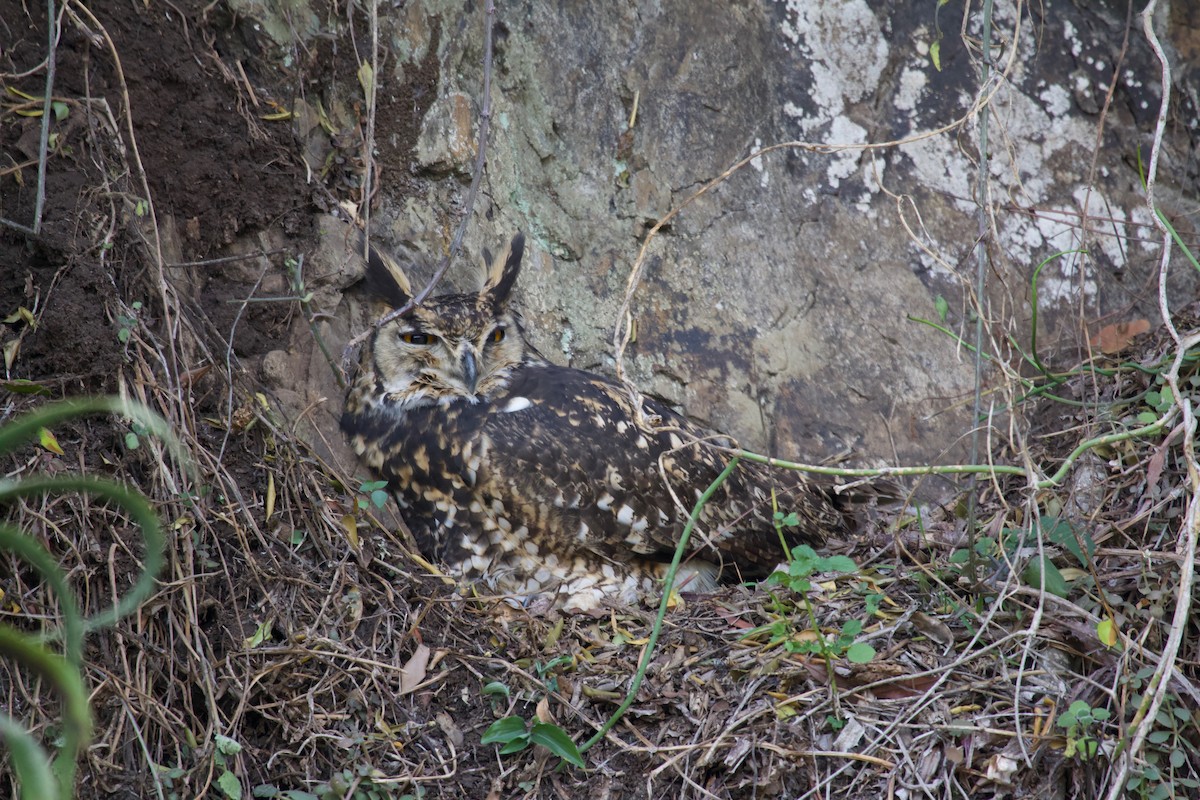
(780, 306)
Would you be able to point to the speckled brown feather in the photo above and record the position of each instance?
(537, 478)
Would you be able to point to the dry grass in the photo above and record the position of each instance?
(320, 656)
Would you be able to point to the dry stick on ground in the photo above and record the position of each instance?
(485, 116)
(1190, 526)
(369, 135)
(39, 202)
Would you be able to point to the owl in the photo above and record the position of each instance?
(538, 481)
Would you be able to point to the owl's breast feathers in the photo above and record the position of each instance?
(558, 458)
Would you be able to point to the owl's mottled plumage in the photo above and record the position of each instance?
(538, 479)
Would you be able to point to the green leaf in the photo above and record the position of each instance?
(496, 687)
(48, 441)
(1106, 632)
(860, 653)
(555, 739)
(229, 747)
(29, 760)
(60, 109)
(131, 441)
(366, 78)
(1060, 532)
(230, 785)
(935, 55)
(24, 386)
(379, 497)
(838, 564)
(803, 554)
(943, 308)
(1055, 583)
(516, 745)
(1147, 418)
(504, 730)
(261, 634)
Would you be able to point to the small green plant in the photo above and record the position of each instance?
(127, 322)
(170, 780)
(1055, 532)
(224, 750)
(36, 774)
(803, 565)
(1081, 721)
(1170, 747)
(372, 493)
(514, 734)
(133, 439)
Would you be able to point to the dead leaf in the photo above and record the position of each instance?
(22, 314)
(543, 711)
(935, 629)
(452, 731)
(10, 353)
(413, 672)
(46, 439)
(270, 494)
(1116, 337)
(350, 523)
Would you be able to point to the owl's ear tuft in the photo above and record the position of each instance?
(385, 276)
(502, 272)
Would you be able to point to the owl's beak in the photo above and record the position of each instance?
(470, 369)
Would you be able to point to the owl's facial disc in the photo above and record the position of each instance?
(446, 366)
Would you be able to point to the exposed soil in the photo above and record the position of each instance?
(291, 623)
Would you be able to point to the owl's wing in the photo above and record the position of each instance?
(565, 446)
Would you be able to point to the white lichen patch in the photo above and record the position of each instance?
(1144, 232)
(912, 88)
(844, 163)
(1056, 99)
(757, 162)
(846, 49)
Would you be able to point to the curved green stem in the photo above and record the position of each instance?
(668, 587)
(66, 679)
(17, 432)
(965, 469)
(33, 553)
(132, 503)
(64, 672)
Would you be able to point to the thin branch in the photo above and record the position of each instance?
(44, 142)
(984, 198)
(1154, 696)
(485, 115)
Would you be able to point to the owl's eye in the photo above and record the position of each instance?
(417, 338)
(496, 335)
